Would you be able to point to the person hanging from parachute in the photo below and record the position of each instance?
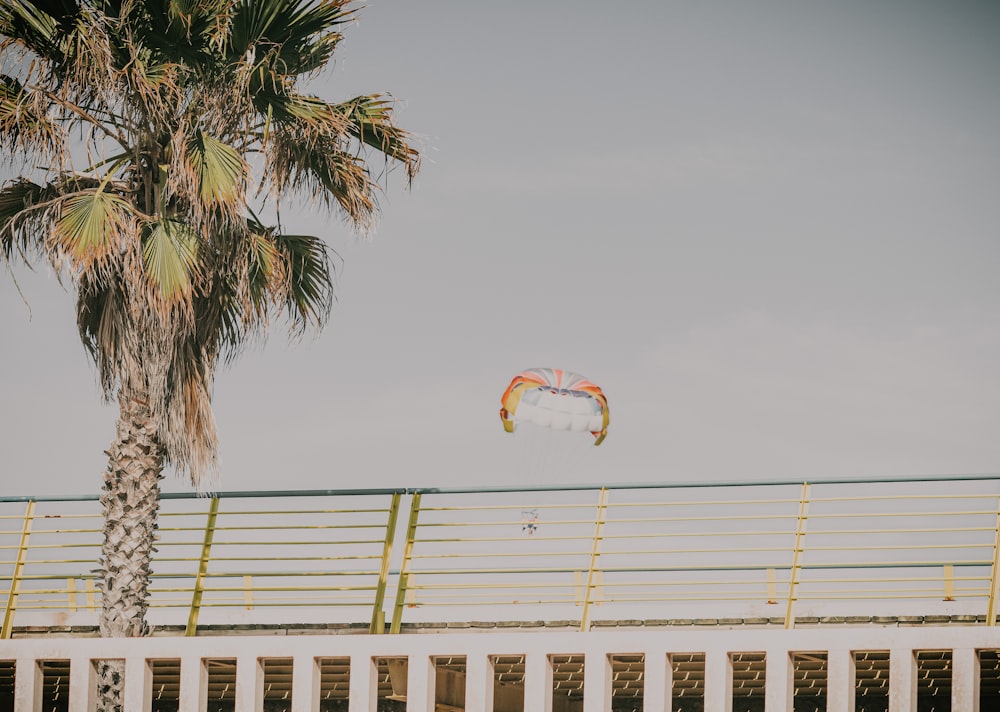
(557, 399)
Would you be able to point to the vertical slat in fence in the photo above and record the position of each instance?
(19, 562)
(206, 555)
(404, 571)
(797, 552)
(595, 553)
(378, 614)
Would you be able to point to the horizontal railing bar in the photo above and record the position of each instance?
(570, 570)
(283, 558)
(245, 494)
(704, 484)
(288, 589)
(880, 515)
(702, 502)
(936, 594)
(474, 586)
(610, 505)
(894, 564)
(288, 574)
(901, 497)
(603, 554)
(589, 537)
(271, 512)
(897, 547)
(706, 518)
(697, 484)
(481, 539)
(933, 593)
(637, 520)
(502, 508)
(195, 530)
(45, 532)
(928, 530)
(284, 542)
(319, 603)
(78, 545)
(607, 584)
(563, 570)
(734, 567)
(250, 528)
(810, 582)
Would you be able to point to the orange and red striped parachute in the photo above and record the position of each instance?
(557, 399)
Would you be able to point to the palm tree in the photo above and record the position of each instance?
(146, 128)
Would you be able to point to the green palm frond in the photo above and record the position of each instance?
(310, 283)
(219, 168)
(265, 264)
(319, 166)
(30, 25)
(302, 32)
(274, 43)
(310, 149)
(370, 121)
(289, 272)
(170, 255)
(15, 198)
(91, 223)
(221, 317)
(181, 31)
(292, 108)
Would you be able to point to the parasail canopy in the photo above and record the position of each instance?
(556, 399)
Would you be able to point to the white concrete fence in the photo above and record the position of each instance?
(839, 647)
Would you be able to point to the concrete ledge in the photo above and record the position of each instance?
(526, 626)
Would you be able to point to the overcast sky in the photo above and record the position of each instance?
(769, 230)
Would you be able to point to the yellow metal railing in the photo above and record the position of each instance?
(593, 573)
(18, 574)
(796, 571)
(779, 552)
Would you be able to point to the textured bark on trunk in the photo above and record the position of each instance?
(130, 500)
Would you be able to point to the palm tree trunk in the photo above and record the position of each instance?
(131, 500)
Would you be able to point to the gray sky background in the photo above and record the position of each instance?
(769, 230)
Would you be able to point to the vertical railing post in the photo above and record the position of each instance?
(378, 615)
(404, 569)
(91, 590)
(602, 506)
(949, 582)
(991, 606)
(248, 592)
(15, 581)
(199, 582)
(793, 579)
